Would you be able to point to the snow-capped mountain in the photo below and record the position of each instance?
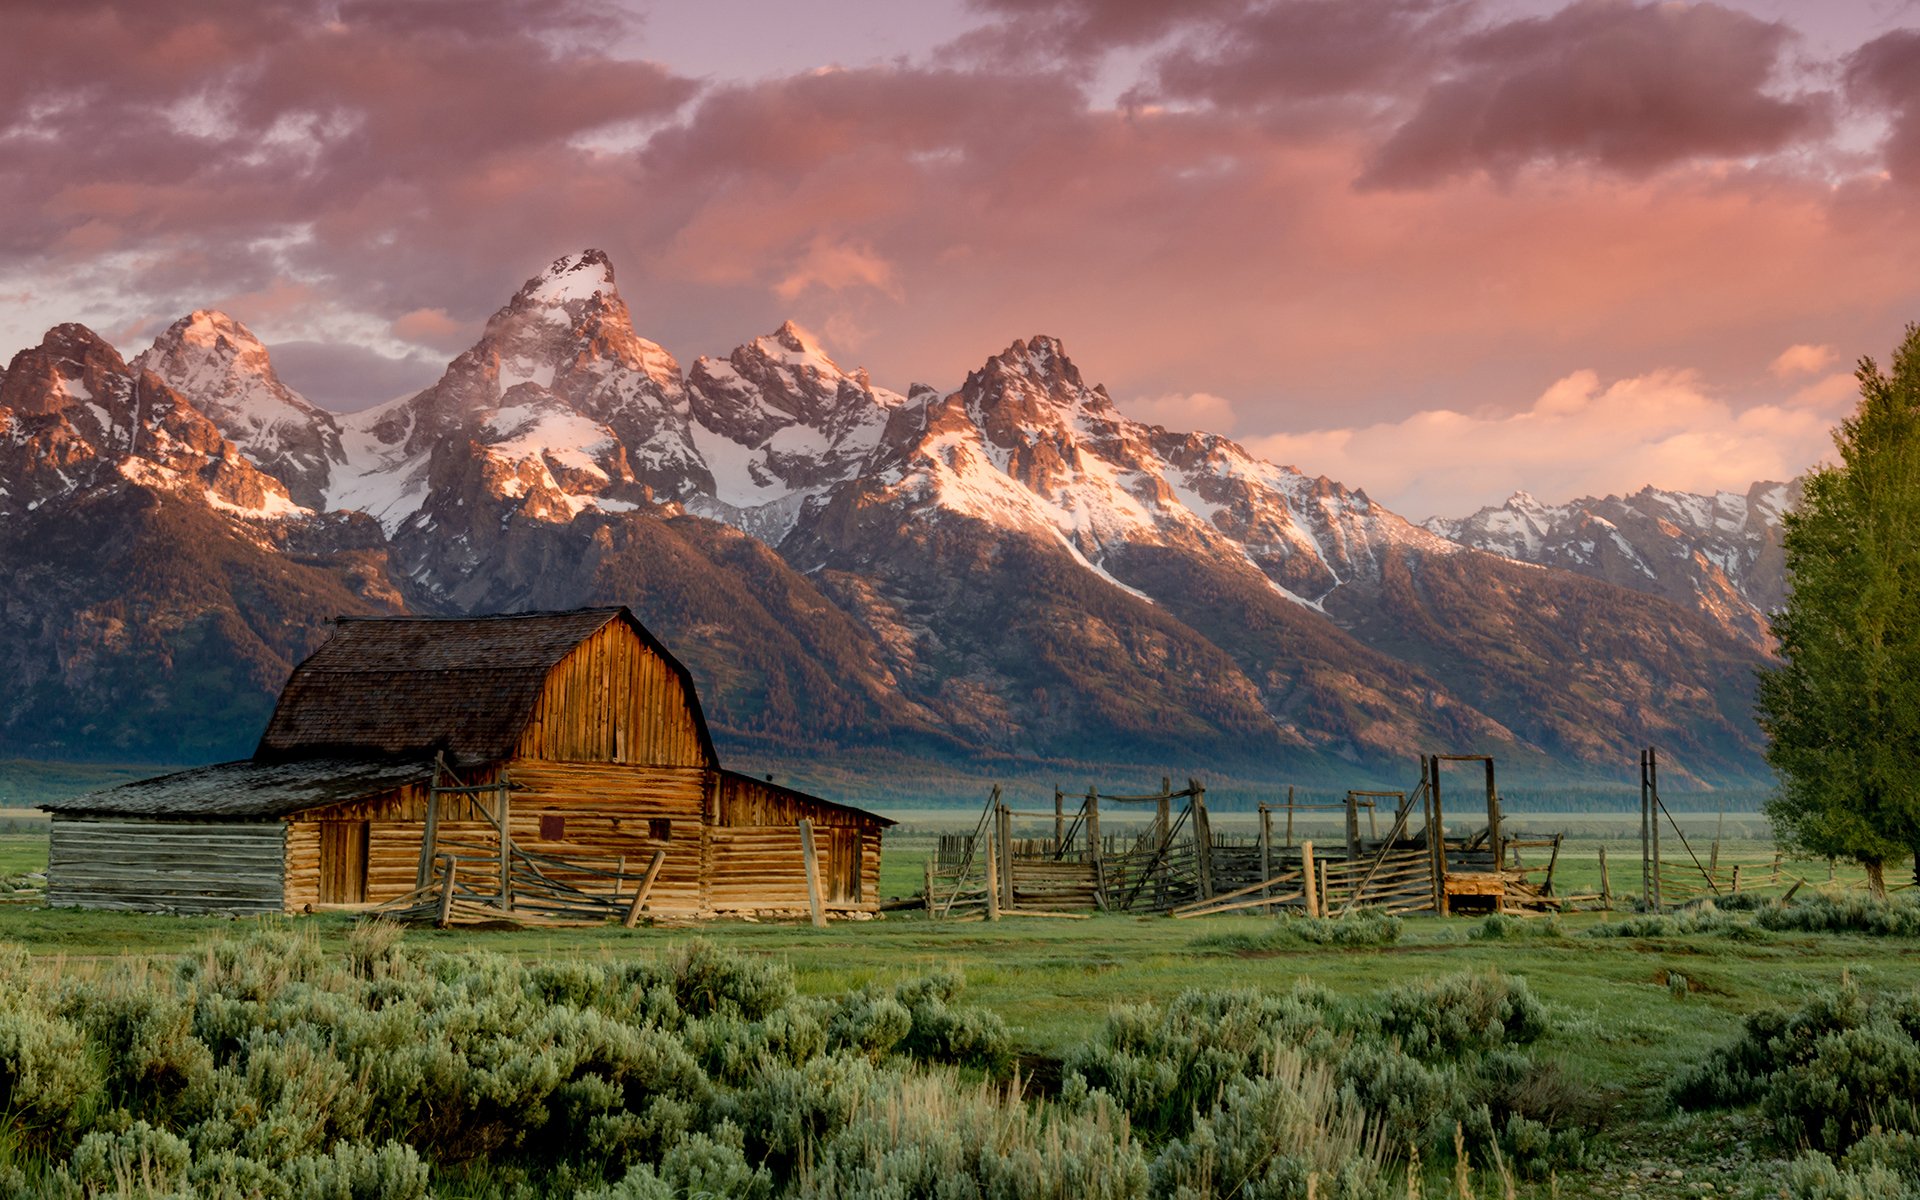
(1718, 554)
(217, 360)
(1011, 566)
(76, 418)
(777, 422)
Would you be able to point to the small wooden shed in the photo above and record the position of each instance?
(575, 734)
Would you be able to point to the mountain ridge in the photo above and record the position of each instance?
(1012, 567)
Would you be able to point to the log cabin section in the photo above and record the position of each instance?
(594, 728)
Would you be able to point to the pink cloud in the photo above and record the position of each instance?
(1801, 359)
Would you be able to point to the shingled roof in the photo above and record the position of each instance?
(246, 789)
(412, 686)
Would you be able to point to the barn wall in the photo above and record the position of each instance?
(614, 700)
(609, 813)
(608, 816)
(745, 801)
(166, 866)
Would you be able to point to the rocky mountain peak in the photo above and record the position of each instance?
(229, 373)
(573, 278)
(72, 365)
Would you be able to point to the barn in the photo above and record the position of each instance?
(534, 754)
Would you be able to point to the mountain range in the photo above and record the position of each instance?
(1006, 571)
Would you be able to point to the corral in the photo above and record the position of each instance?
(537, 766)
(1164, 856)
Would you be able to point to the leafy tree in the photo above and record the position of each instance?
(1842, 711)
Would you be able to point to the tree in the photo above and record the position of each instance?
(1842, 710)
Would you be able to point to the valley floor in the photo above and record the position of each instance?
(1628, 1014)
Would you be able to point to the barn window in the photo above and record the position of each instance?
(660, 829)
(553, 827)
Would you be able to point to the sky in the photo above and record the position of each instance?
(1437, 249)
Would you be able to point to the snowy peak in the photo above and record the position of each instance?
(74, 416)
(1719, 554)
(224, 368)
(572, 279)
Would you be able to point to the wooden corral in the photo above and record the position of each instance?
(1178, 864)
(537, 765)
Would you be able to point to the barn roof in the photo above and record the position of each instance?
(392, 686)
(247, 789)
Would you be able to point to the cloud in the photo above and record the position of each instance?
(1801, 359)
(836, 266)
(1303, 49)
(347, 378)
(433, 327)
(1184, 411)
(1632, 88)
(409, 170)
(1885, 73)
(1579, 437)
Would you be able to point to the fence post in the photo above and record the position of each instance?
(1353, 827)
(929, 866)
(1202, 837)
(812, 861)
(1736, 879)
(1006, 857)
(993, 876)
(1059, 823)
(1606, 882)
(1162, 830)
(1266, 850)
(1307, 889)
(1094, 849)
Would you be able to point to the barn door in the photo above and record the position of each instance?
(343, 862)
(843, 866)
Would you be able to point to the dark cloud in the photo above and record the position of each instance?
(228, 142)
(1631, 88)
(1885, 73)
(1048, 32)
(346, 378)
(1304, 49)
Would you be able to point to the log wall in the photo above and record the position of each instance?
(600, 814)
(166, 866)
(614, 700)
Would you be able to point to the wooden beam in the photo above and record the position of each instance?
(446, 893)
(993, 877)
(646, 886)
(1306, 874)
(1202, 838)
(814, 906)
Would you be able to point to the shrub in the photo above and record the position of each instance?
(144, 1037)
(1286, 1134)
(1827, 1074)
(49, 1084)
(358, 1172)
(1498, 927)
(1365, 928)
(945, 1034)
(707, 979)
(1162, 1066)
(142, 1161)
(1461, 1015)
(923, 1135)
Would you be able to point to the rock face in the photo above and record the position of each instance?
(217, 360)
(1011, 568)
(1719, 555)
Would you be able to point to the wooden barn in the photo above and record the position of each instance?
(544, 758)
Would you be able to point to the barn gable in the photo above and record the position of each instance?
(476, 688)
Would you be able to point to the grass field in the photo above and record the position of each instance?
(1628, 1013)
